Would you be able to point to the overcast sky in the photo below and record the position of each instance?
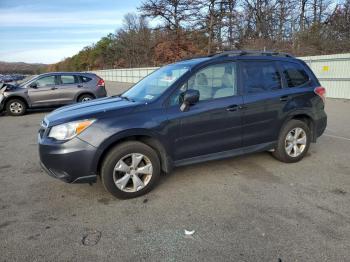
(46, 31)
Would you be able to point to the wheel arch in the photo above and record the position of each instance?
(306, 118)
(84, 93)
(13, 97)
(151, 141)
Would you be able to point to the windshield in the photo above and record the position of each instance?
(27, 81)
(155, 84)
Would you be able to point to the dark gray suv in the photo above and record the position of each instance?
(50, 90)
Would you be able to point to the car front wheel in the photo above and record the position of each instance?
(129, 170)
(16, 107)
(293, 142)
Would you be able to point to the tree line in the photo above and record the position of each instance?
(164, 31)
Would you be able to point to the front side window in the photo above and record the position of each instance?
(155, 84)
(67, 79)
(295, 74)
(260, 76)
(214, 81)
(45, 81)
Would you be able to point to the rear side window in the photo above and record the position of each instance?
(295, 74)
(85, 79)
(68, 79)
(260, 76)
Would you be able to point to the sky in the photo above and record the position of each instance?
(47, 31)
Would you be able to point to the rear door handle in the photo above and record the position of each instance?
(232, 108)
(53, 88)
(79, 85)
(284, 98)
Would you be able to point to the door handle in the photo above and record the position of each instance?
(232, 108)
(79, 86)
(53, 88)
(284, 98)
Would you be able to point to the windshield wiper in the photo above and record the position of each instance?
(125, 98)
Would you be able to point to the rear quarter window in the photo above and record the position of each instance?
(85, 79)
(295, 74)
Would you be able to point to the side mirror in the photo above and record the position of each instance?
(33, 85)
(189, 98)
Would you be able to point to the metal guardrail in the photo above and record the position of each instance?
(333, 71)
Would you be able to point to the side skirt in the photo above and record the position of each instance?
(226, 154)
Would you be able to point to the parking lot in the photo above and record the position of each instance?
(249, 208)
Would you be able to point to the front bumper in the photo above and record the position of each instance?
(69, 161)
(2, 102)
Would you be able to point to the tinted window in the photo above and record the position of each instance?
(294, 74)
(85, 79)
(260, 76)
(45, 81)
(68, 80)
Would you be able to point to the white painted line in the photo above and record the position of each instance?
(339, 137)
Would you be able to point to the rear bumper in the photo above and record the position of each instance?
(69, 162)
(320, 126)
(101, 92)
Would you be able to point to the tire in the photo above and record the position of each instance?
(85, 98)
(16, 107)
(289, 139)
(119, 164)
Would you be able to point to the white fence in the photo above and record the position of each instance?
(333, 71)
(128, 75)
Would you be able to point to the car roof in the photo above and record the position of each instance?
(239, 54)
(68, 73)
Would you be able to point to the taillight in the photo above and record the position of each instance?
(321, 92)
(101, 82)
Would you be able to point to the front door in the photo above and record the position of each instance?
(43, 91)
(213, 124)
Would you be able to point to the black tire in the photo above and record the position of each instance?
(280, 152)
(119, 152)
(85, 98)
(16, 107)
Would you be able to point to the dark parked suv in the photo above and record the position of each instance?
(49, 90)
(195, 110)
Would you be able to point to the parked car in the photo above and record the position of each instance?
(50, 90)
(188, 112)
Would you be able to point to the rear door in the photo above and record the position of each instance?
(44, 94)
(69, 86)
(213, 124)
(264, 100)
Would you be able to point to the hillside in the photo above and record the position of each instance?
(22, 68)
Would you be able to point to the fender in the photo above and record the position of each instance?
(145, 135)
(81, 92)
(301, 112)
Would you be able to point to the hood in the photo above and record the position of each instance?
(4, 87)
(91, 109)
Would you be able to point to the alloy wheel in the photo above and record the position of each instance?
(132, 172)
(295, 142)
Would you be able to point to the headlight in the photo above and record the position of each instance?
(69, 130)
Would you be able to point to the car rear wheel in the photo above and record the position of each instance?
(85, 98)
(16, 107)
(129, 170)
(293, 142)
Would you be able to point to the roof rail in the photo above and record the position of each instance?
(251, 52)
